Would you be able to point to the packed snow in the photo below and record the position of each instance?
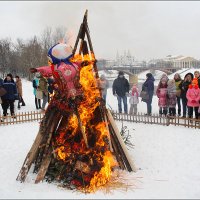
(166, 157)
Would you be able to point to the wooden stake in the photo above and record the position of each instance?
(121, 142)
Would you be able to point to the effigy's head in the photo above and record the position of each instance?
(59, 53)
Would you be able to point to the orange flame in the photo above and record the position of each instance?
(86, 110)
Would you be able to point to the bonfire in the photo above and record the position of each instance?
(78, 144)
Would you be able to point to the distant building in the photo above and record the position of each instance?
(183, 61)
(125, 59)
(175, 62)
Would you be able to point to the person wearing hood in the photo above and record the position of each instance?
(193, 97)
(120, 89)
(134, 100)
(19, 90)
(9, 98)
(148, 86)
(184, 85)
(161, 93)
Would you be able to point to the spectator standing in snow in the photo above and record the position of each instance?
(161, 93)
(43, 86)
(35, 86)
(9, 98)
(148, 86)
(120, 89)
(134, 100)
(178, 81)
(197, 76)
(184, 87)
(19, 90)
(171, 97)
(193, 97)
(104, 84)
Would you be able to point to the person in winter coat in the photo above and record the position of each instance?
(171, 97)
(35, 86)
(9, 98)
(43, 86)
(120, 89)
(184, 87)
(193, 97)
(197, 75)
(134, 100)
(104, 84)
(161, 93)
(19, 90)
(148, 86)
(178, 81)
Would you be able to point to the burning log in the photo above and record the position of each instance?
(78, 143)
(83, 167)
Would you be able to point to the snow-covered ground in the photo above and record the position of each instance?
(167, 160)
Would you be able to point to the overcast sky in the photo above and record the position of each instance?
(151, 29)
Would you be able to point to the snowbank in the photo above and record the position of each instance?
(167, 159)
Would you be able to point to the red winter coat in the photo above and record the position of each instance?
(193, 97)
(161, 93)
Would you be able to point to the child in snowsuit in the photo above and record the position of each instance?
(161, 93)
(193, 97)
(134, 100)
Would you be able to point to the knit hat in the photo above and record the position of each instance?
(121, 73)
(10, 75)
(149, 75)
(164, 79)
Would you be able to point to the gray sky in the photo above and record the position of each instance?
(148, 29)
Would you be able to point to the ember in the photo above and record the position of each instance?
(78, 143)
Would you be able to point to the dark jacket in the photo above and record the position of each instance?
(50, 85)
(148, 85)
(1, 82)
(184, 85)
(199, 81)
(11, 89)
(120, 86)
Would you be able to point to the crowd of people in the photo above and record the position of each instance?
(171, 93)
(42, 89)
(176, 96)
(11, 90)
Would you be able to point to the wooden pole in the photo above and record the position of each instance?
(118, 135)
